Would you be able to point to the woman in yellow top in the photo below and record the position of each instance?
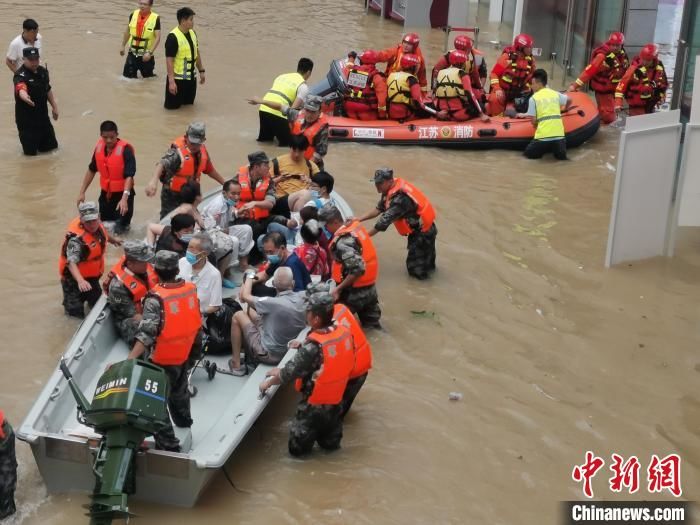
(182, 56)
(142, 36)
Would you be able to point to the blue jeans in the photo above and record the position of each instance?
(288, 233)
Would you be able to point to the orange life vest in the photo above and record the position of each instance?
(187, 165)
(364, 95)
(369, 255)
(181, 321)
(363, 351)
(93, 260)
(516, 78)
(425, 210)
(137, 288)
(248, 194)
(309, 132)
(394, 65)
(111, 167)
(2, 424)
(338, 361)
(614, 67)
(646, 84)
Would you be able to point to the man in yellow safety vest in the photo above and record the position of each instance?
(182, 55)
(142, 36)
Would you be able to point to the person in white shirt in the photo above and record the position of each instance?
(30, 37)
(195, 268)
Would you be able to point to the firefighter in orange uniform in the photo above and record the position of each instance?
(475, 65)
(409, 46)
(321, 369)
(608, 63)
(510, 77)
(367, 90)
(186, 160)
(644, 84)
(82, 260)
(454, 93)
(170, 328)
(126, 286)
(114, 159)
(404, 95)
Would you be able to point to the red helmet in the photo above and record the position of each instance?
(649, 52)
(458, 57)
(616, 39)
(522, 41)
(409, 61)
(411, 38)
(369, 56)
(463, 43)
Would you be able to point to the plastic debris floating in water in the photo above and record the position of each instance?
(456, 396)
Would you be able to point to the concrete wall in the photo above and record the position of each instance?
(640, 24)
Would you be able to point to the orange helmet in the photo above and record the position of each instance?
(463, 43)
(369, 56)
(458, 57)
(411, 38)
(616, 38)
(409, 61)
(649, 52)
(522, 41)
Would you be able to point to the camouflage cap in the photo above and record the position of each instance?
(138, 251)
(166, 260)
(313, 103)
(196, 132)
(382, 174)
(320, 301)
(88, 211)
(315, 288)
(257, 157)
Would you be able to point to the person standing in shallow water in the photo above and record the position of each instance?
(182, 55)
(142, 36)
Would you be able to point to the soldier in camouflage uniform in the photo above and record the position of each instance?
(347, 251)
(171, 163)
(321, 423)
(8, 468)
(150, 327)
(401, 207)
(126, 307)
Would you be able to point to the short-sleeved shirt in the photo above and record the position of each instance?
(16, 48)
(219, 211)
(129, 162)
(207, 281)
(283, 317)
(302, 277)
(292, 176)
(532, 110)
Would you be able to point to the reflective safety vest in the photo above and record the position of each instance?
(248, 194)
(516, 77)
(369, 255)
(424, 209)
(399, 91)
(647, 85)
(612, 70)
(137, 288)
(283, 91)
(360, 75)
(140, 43)
(309, 132)
(180, 323)
(187, 169)
(111, 167)
(92, 263)
(363, 351)
(338, 361)
(184, 61)
(548, 110)
(449, 83)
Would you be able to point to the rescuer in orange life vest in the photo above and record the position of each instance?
(393, 55)
(354, 268)
(186, 160)
(114, 159)
(367, 89)
(82, 260)
(511, 75)
(410, 211)
(404, 94)
(170, 327)
(310, 122)
(644, 84)
(321, 367)
(127, 284)
(475, 65)
(608, 63)
(454, 93)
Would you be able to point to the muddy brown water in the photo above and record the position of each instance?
(554, 354)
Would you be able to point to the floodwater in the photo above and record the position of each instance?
(554, 354)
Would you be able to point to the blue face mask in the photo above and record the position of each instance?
(186, 237)
(328, 233)
(230, 202)
(191, 257)
(315, 194)
(274, 258)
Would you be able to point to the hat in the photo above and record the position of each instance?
(322, 287)
(382, 174)
(257, 157)
(88, 211)
(30, 52)
(196, 133)
(321, 300)
(166, 260)
(138, 251)
(313, 103)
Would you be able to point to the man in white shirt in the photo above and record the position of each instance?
(30, 37)
(195, 268)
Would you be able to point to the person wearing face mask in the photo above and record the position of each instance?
(196, 268)
(175, 237)
(126, 286)
(277, 255)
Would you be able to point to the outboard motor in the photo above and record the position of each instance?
(333, 83)
(129, 404)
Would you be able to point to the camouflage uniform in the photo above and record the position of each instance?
(421, 245)
(8, 470)
(362, 301)
(121, 302)
(311, 423)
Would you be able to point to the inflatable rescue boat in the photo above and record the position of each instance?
(581, 122)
